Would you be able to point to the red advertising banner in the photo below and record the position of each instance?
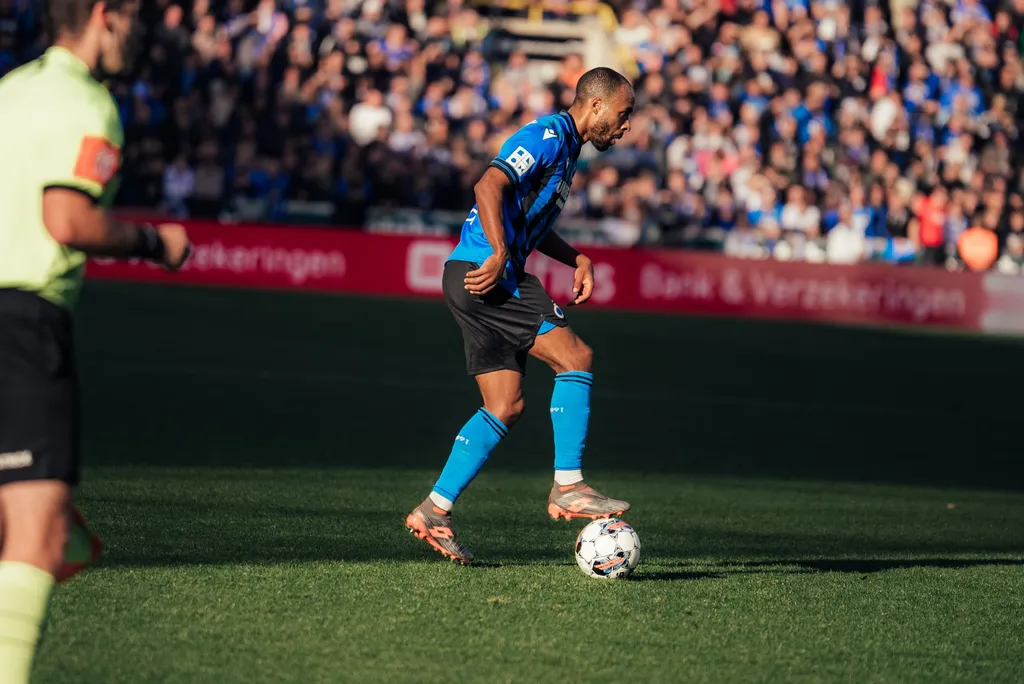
(639, 280)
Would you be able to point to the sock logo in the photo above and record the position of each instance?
(16, 459)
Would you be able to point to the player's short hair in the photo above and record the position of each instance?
(71, 16)
(600, 82)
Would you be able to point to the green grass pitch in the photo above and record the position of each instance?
(816, 504)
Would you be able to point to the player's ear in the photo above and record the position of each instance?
(596, 105)
(99, 17)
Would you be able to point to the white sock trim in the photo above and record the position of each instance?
(441, 502)
(568, 477)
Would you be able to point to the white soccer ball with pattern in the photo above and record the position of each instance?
(608, 549)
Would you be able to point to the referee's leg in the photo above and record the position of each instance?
(35, 530)
(35, 520)
(38, 468)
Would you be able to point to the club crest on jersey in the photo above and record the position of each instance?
(521, 161)
(558, 310)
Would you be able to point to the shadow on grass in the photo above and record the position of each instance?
(237, 532)
(151, 521)
(676, 576)
(859, 566)
(864, 566)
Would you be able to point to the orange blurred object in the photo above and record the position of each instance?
(978, 248)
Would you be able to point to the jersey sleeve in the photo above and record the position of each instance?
(527, 153)
(84, 153)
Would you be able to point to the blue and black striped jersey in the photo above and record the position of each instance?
(540, 161)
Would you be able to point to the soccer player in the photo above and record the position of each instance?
(60, 146)
(506, 315)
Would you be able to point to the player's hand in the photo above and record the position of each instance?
(486, 278)
(177, 248)
(583, 283)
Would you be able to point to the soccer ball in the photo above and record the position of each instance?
(607, 549)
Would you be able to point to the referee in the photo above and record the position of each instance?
(60, 150)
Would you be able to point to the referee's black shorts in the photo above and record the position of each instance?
(39, 412)
(498, 329)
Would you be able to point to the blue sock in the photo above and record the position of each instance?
(570, 414)
(474, 444)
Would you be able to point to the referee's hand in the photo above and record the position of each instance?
(177, 247)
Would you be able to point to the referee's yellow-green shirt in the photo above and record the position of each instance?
(59, 127)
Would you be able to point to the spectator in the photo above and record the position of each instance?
(368, 117)
(897, 215)
(894, 122)
(845, 244)
(931, 212)
(179, 186)
(799, 215)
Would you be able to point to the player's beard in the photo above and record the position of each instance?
(601, 136)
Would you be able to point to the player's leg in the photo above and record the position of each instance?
(572, 360)
(495, 357)
(502, 394)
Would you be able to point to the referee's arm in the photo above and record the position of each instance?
(75, 220)
(77, 168)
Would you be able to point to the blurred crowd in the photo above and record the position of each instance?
(803, 129)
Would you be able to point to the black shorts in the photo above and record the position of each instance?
(498, 329)
(39, 414)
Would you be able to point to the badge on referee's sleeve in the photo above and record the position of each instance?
(98, 160)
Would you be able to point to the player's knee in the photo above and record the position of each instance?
(579, 357)
(584, 358)
(507, 411)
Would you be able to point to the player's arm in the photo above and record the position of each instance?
(490, 193)
(558, 249)
(522, 160)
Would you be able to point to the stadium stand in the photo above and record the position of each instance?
(801, 129)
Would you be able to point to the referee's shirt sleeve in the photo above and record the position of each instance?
(527, 153)
(85, 153)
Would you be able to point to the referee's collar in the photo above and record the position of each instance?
(65, 59)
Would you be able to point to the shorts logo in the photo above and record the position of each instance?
(15, 460)
(521, 161)
(558, 310)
